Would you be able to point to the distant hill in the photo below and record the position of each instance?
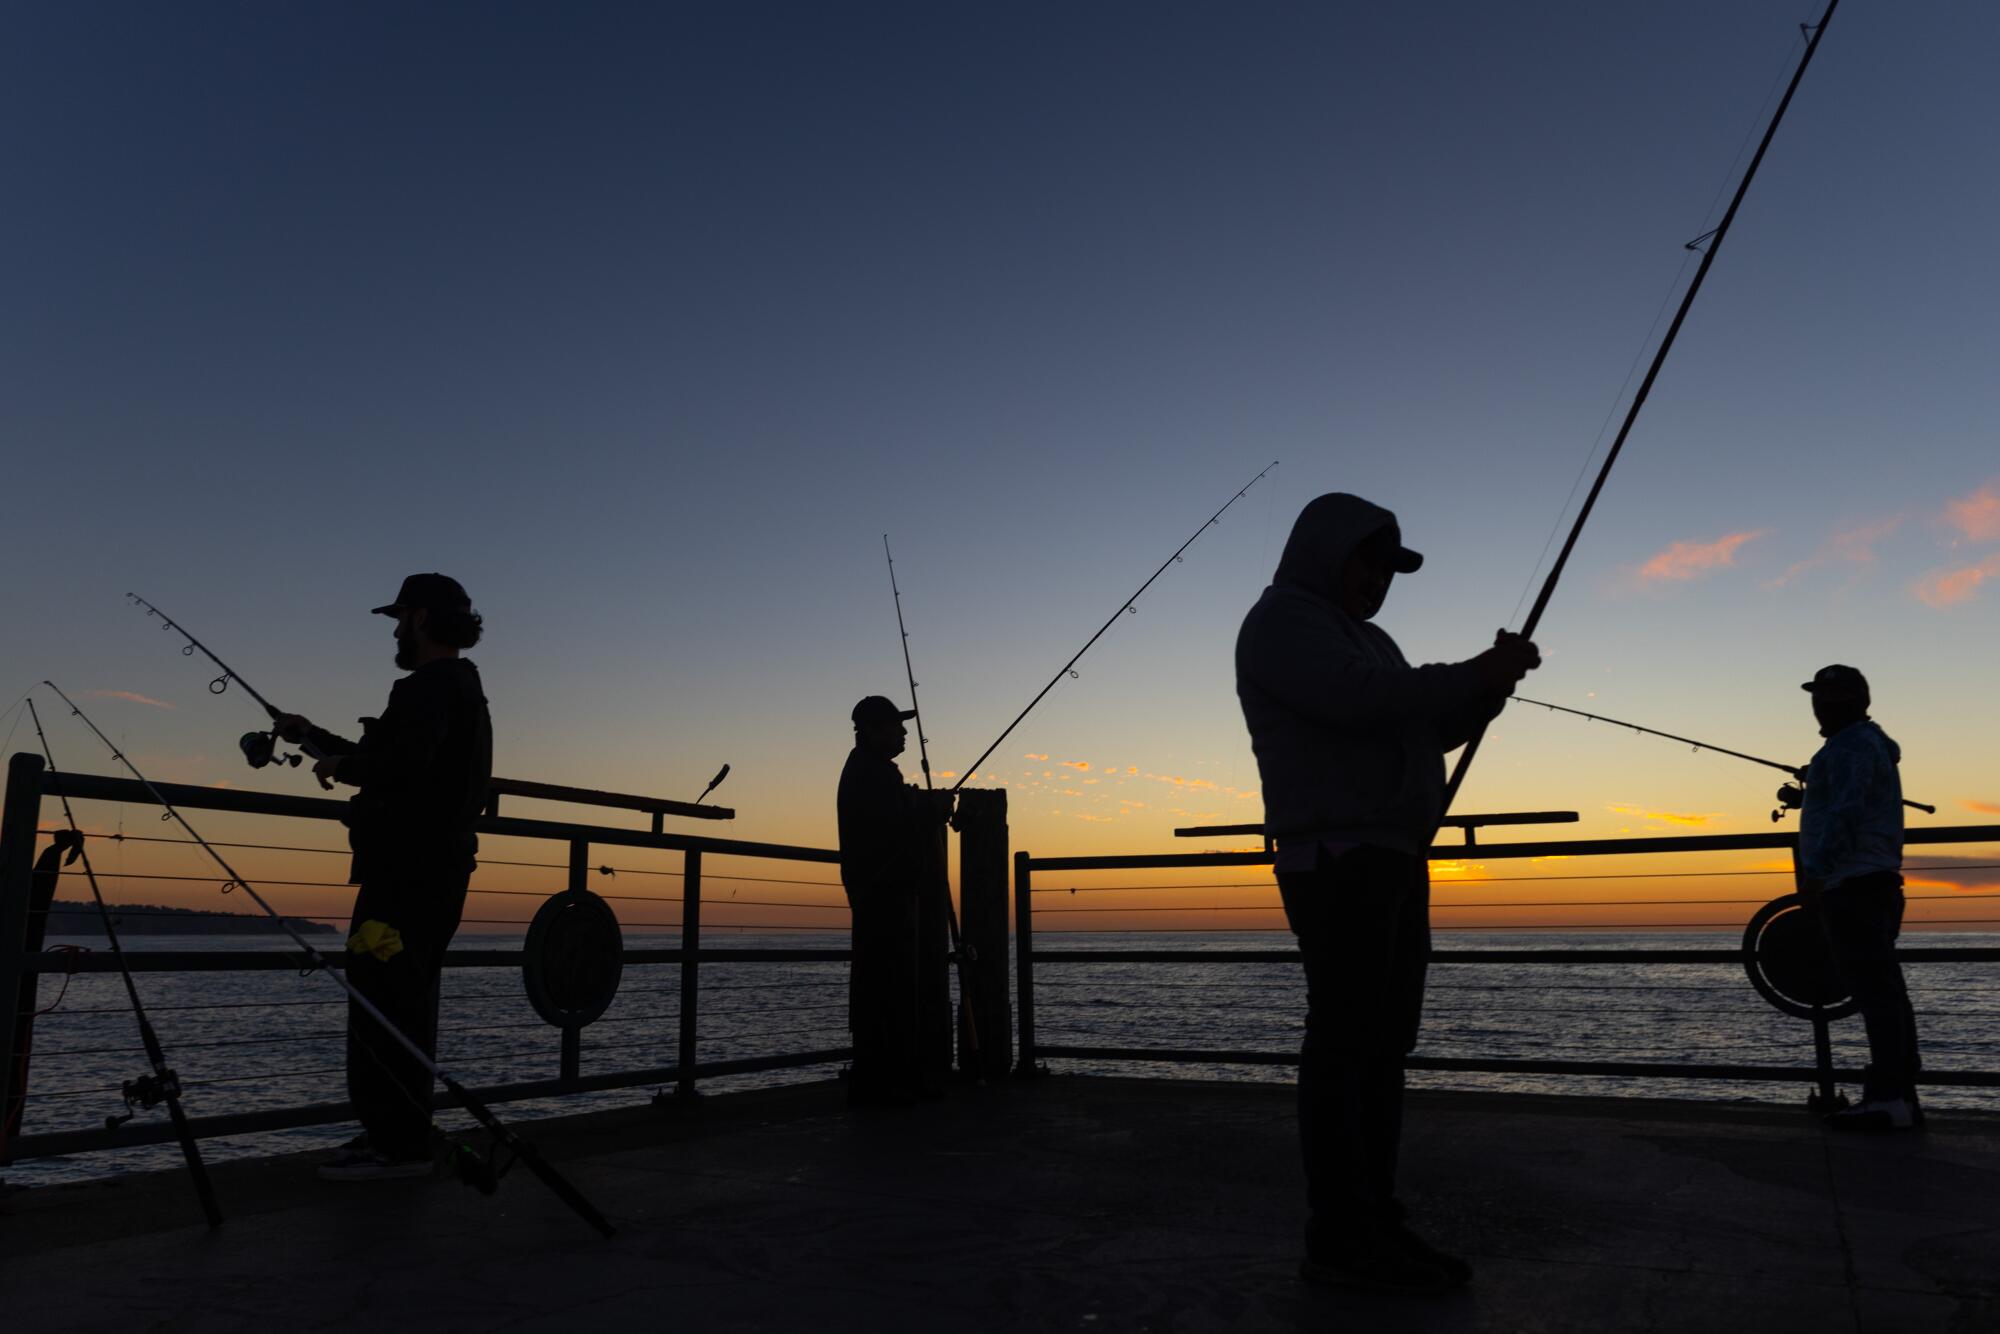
(69, 918)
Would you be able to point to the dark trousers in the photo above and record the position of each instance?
(391, 1089)
(1363, 925)
(1864, 916)
(882, 990)
(899, 991)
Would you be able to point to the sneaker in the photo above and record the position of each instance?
(359, 1144)
(1875, 1115)
(368, 1165)
(1451, 1266)
(1377, 1262)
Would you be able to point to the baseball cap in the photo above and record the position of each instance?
(1389, 538)
(1839, 680)
(433, 592)
(879, 709)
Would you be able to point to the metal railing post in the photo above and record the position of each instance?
(18, 817)
(570, 1068)
(690, 968)
(1024, 957)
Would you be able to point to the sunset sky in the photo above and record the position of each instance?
(648, 322)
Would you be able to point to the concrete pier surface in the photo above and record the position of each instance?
(1064, 1203)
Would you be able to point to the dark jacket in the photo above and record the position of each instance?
(1349, 738)
(884, 825)
(422, 768)
(1852, 823)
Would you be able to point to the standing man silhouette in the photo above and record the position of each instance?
(422, 770)
(899, 998)
(1350, 742)
(1851, 855)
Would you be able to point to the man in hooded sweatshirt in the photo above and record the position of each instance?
(1851, 856)
(1350, 742)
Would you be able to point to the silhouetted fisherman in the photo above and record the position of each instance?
(66, 845)
(1350, 742)
(1851, 855)
(422, 768)
(899, 989)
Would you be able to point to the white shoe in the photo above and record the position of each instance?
(1877, 1114)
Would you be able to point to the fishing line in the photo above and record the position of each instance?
(163, 1085)
(520, 1149)
(1128, 606)
(1709, 245)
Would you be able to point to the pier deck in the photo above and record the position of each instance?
(1067, 1203)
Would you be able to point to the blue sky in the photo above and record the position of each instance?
(648, 322)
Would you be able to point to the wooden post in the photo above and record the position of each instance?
(17, 875)
(982, 897)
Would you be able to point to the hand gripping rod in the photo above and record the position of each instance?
(523, 1151)
(1714, 239)
(1067, 668)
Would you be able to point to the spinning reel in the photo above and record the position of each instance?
(145, 1093)
(260, 749)
(1790, 798)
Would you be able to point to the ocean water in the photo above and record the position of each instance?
(245, 1041)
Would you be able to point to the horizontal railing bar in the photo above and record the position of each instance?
(1500, 1066)
(1449, 821)
(1940, 954)
(1588, 847)
(272, 961)
(96, 787)
(135, 1134)
(586, 796)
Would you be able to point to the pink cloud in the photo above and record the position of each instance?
(1949, 588)
(1690, 560)
(1983, 807)
(1852, 546)
(128, 696)
(1977, 516)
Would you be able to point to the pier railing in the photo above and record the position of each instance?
(1047, 960)
(810, 903)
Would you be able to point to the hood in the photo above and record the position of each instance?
(1867, 733)
(1323, 537)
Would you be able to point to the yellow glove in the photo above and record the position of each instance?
(380, 939)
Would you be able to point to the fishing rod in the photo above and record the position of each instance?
(1714, 240)
(478, 1171)
(1069, 668)
(163, 1085)
(259, 748)
(961, 954)
(1788, 796)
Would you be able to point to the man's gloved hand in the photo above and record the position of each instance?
(326, 769)
(1511, 658)
(291, 727)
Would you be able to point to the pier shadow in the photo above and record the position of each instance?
(1069, 1203)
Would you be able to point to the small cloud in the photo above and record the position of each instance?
(129, 696)
(1850, 546)
(1949, 588)
(1976, 516)
(1094, 819)
(1983, 807)
(947, 773)
(1690, 560)
(1665, 817)
(1081, 766)
(1131, 768)
(1032, 756)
